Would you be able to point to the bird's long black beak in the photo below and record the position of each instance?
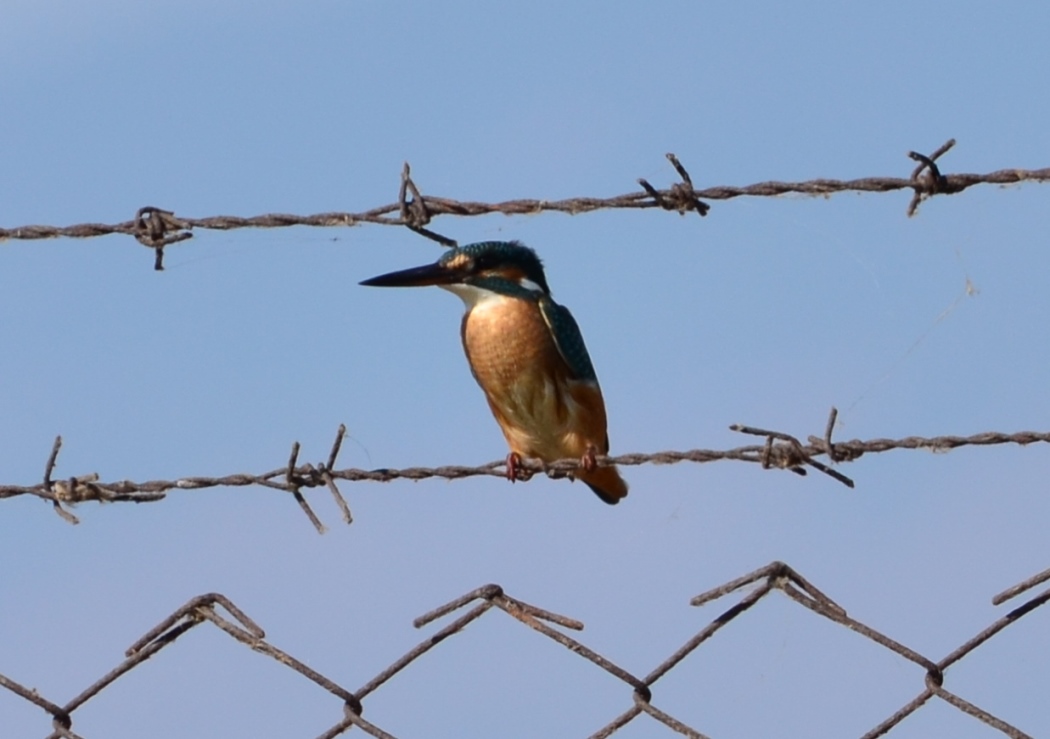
(428, 274)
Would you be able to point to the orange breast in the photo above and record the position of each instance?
(542, 412)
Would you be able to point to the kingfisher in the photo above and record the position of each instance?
(527, 354)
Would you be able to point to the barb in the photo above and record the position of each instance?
(414, 212)
(48, 469)
(294, 482)
(794, 454)
(933, 182)
(156, 228)
(780, 451)
(681, 197)
(776, 576)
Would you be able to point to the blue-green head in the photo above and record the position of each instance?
(501, 267)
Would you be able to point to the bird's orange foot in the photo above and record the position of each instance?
(515, 471)
(589, 462)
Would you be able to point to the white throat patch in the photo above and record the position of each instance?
(473, 296)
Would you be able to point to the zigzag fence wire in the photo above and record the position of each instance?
(219, 611)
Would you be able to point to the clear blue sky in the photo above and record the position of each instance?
(767, 312)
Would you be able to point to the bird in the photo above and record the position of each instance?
(527, 354)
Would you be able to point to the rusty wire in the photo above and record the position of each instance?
(157, 228)
(219, 611)
(780, 451)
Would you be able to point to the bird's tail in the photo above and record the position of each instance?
(605, 482)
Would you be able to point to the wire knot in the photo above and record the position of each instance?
(352, 707)
(784, 455)
(154, 229)
(927, 179)
(681, 196)
(414, 212)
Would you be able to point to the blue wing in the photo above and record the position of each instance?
(568, 339)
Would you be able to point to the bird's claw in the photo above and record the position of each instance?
(589, 461)
(515, 471)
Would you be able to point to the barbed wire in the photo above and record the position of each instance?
(780, 451)
(157, 228)
(776, 576)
